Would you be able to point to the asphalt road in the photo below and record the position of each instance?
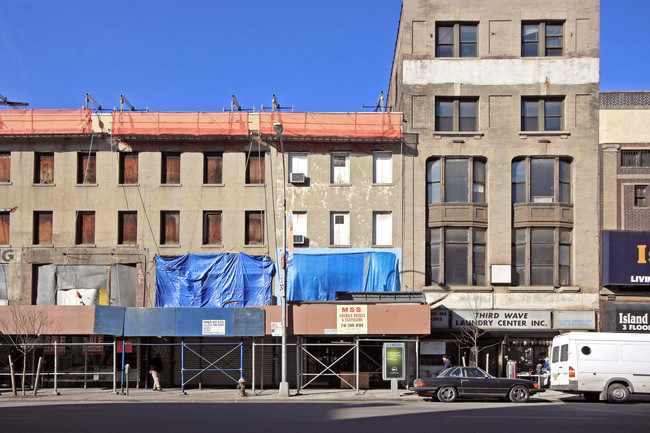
(376, 417)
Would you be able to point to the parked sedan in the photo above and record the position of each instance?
(457, 382)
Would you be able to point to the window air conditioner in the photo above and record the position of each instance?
(298, 239)
(297, 178)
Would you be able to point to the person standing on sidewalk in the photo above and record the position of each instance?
(156, 369)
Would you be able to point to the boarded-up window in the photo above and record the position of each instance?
(44, 168)
(42, 227)
(85, 228)
(128, 168)
(170, 227)
(5, 167)
(213, 168)
(171, 168)
(127, 228)
(254, 227)
(4, 228)
(211, 228)
(255, 168)
(86, 168)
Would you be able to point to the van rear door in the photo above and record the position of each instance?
(560, 363)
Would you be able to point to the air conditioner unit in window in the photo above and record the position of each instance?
(298, 239)
(297, 178)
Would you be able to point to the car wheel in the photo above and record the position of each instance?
(447, 394)
(618, 393)
(519, 394)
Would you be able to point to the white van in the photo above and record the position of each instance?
(601, 365)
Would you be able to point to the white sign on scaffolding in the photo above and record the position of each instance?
(214, 327)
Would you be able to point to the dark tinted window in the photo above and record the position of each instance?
(556, 354)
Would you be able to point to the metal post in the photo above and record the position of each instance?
(122, 375)
(284, 385)
(356, 363)
(56, 366)
(253, 378)
(114, 365)
(182, 366)
(84, 347)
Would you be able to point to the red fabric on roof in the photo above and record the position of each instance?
(168, 123)
(349, 125)
(24, 122)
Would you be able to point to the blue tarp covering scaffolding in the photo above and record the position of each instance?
(317, 277)
(214, 280)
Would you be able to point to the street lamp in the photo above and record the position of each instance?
(284, 385)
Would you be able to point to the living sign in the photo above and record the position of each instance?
(501, 319)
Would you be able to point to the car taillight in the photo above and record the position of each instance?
(535, 385)
(419, 383)
(572, 372)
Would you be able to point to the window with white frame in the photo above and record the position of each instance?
(382, 233)
(340, 228)
(298, 163)
(300, 223)
(383, 167)
(340, 169)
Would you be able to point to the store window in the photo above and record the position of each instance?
(524, 355)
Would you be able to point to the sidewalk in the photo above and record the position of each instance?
(92, 395)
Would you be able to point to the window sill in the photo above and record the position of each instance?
(170, 246)
(254, 185)
(85, 245)
(446, 289)
(441, 134)
(212, 246)
(255, 246)
(129, 184)
(335, 185)
(561, 134)
(340, 246)
(87, 185)
(383, 246)
(43, 184)
(213, 185)
(43, 246)
(170, 185)
(6, 183)
(383, 184)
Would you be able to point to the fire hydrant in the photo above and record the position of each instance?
(241, 386)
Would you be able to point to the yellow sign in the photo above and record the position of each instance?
(352, 319)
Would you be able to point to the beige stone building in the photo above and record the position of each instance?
(625, 209)
(103, 195)
(500, 101)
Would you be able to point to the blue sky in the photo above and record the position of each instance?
(192, 55)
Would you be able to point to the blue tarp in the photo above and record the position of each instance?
(214, 280)
(317, 277)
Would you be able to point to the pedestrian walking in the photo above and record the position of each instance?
(156, 369)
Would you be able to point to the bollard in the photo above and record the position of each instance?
(241, 386)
